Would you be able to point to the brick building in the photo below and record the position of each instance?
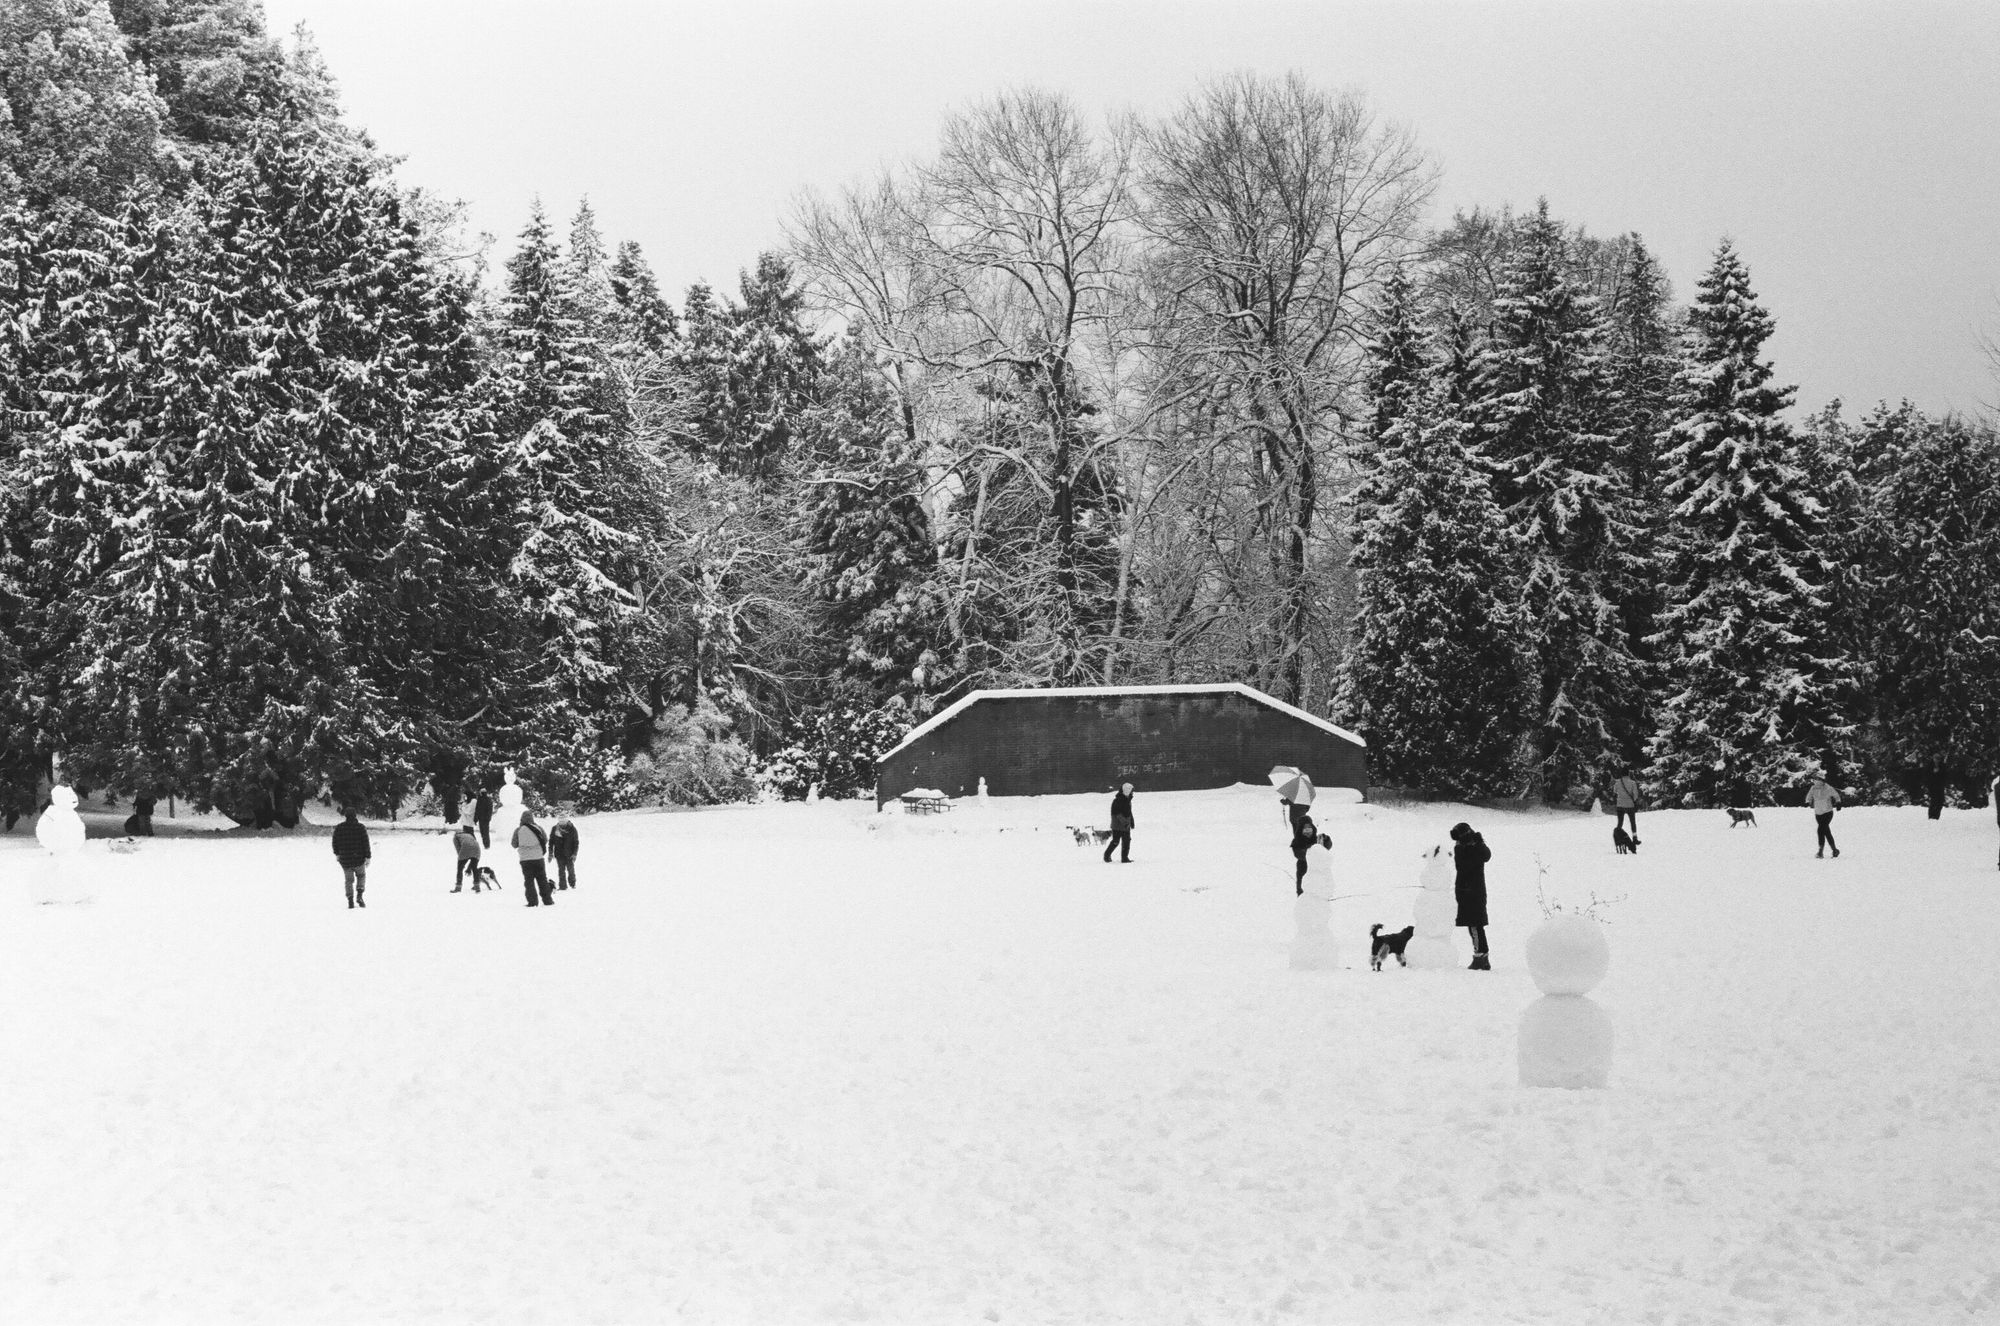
(1090, 738)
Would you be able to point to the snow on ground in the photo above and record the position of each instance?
(805, 1063)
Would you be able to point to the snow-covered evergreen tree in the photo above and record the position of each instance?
(1436, 676)
(565, 456)
(1756, 698)
(1545, 409)
(871, 555)
(648, 319)
(1927, 549)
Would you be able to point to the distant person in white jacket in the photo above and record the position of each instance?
(1824, 800)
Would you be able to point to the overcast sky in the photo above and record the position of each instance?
(1852, 152)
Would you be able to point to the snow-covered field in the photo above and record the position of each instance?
(803, 1063)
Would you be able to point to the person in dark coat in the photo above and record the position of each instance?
(350, 848)
(1121, 825)
(1305, 836)
(482, 815)
(1471, 854)
(562, 850)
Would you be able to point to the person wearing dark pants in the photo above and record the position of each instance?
(1305, 836)
(1824, 801)
(482, 815)
(1470, 854)
(1121, 825)
(467, 843)
(1625, 796)
(533, 847)
(562, 850)
(350, 848)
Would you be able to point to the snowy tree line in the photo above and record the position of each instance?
(301, 499)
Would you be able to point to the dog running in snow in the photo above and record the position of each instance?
(1087, 836)
(1737, 817)
(1626, 844)
(1388, 946)
(484, 875)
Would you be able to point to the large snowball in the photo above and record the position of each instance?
(1565, 1042)
(1568, 955)
(1436, 914)
(1313, 948)
(1439, 874)
(1431, 952)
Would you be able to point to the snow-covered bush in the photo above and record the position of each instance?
(834, 749)
(694, 760)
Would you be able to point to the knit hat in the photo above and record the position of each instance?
(1460, 831)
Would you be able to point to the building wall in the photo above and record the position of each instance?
(1032, 746)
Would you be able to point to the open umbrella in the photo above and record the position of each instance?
(1292, 785)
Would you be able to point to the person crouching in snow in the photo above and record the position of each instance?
(350, 848)
(1471, 854)
(1305, 837)
(467, 843)
(533, 846)
(1121, 825)
(562, 847)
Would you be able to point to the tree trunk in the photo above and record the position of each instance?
(1934, 791)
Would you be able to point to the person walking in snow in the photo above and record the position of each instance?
(1305, 837)
(562, 847)
(1470, 853)
(467, 843)
(1824, 800)
(482, 815)
(533, 845)
(1625, 798)
(350, 848)
(1121, 825)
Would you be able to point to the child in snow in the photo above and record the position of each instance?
(1305, 836)
(467, 843)
(562, 847)
(350, 848)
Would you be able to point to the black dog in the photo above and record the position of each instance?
(1737, 817)
(1389, 946)
(1626, 844)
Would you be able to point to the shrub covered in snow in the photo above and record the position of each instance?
(835, 749)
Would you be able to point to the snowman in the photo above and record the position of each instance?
(1436, 916)
(60, 831)
(507, 815)
(1566, 1038)
(1313, 948)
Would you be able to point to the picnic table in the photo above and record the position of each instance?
(924, 801)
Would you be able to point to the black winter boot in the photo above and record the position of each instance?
(1479, 963)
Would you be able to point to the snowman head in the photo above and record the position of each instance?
(63, 797)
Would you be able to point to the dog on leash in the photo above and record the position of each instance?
(1087, 836)
(1626, 844)
(1737, 817)
(1388, 946)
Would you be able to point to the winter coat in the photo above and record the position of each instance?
(350, 843)
(1121, 812)
(467, 843)
(1305, 836)
(1626, 792)
(530, 843)
(1471, 854)
(1822, 798)
(482, 810)
(563, 841)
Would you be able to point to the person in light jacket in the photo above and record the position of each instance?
(1625, 799)
(1824, 800)
(1470, 854)
(533, 847)
(467, 843)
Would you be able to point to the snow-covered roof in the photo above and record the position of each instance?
(943, 716)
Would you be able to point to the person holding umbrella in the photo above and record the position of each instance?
(1295, 793)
